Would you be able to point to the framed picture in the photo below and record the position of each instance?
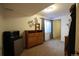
(37, 26)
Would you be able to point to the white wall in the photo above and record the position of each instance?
(1, 29)
(64, 27)
(20, 23)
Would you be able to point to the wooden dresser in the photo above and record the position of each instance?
(33, 38)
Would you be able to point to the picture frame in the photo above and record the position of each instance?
(37, 26)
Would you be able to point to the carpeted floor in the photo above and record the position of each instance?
(49, 48)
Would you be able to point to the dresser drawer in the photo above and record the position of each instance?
(33, 38)
(34, 34)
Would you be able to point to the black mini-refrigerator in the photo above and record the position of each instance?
(8, 49)
(8, 42)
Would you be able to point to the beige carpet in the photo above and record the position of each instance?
(49, 48)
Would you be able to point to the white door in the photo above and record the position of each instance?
(47, 27)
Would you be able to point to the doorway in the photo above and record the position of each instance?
(52, 29)
(57, 29)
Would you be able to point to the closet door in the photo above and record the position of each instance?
(57, 29)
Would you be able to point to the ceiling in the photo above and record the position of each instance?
(27, 9)
(61, 9)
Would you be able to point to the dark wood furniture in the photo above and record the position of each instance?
(33, 38)
(66, 43)
(72, 31)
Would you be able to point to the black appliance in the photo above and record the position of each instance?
(8, 42)
(16, 34)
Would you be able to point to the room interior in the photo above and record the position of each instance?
(23, 24)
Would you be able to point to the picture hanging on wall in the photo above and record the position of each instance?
(37, 26)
